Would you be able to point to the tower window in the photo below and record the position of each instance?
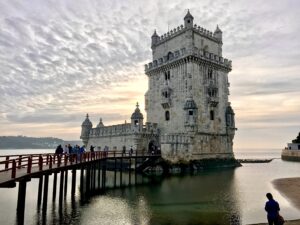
(167, 75)
(191, 112)
(167, 115)
(136, 122)
(212, 115)
(212, 92)
(188, 21)
(210, 74)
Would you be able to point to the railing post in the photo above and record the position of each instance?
(50, 163)
(58, 160)
(47, 162)
(14, 167)
(7, 162)
(65, 155)
(19, 162)
(29, 166)
(40, 163)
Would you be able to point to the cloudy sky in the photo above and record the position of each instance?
(61, 59)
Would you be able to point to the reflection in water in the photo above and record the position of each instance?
(206, 198)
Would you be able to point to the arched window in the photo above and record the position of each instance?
(170, 56)
(136, 122)
(167, 115)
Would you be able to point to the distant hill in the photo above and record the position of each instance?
(22, 142)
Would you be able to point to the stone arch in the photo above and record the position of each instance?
(170, 56)
(152, 146)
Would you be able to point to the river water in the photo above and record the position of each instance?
(208, 198)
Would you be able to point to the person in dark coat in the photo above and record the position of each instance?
(59, 150)
(272, 208)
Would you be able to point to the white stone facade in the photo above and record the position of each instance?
(186, 101)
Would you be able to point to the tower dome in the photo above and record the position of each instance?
(100, 124)
(188, 20)
(154, 39)
(87, 122)
(218, 33)
(137, 115)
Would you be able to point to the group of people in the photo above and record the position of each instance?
(69, 149)
(130, 150)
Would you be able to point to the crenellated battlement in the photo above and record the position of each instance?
(122, 129)
(181, 29)
(182, 53)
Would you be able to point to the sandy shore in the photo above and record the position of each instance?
(290, 188)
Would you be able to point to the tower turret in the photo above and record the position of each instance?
(154, 39)
(218, 33)
(85, 130)
(230, 117)
(100, 124)
(218, 36)
(137, 119)
(188, 20)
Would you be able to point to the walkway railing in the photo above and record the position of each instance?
(40, 162)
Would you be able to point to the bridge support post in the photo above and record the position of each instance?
(45, 196)
(93, 177)
(81, 181)
(121, 171)
(135, 166)
(66, 183)
(104, 175)
(88, 180)
(115, 172)
(54, 186)
(21, 201)
(99, 175)
(129, 171)
(61, 188)
(39, 200)
(73, 182)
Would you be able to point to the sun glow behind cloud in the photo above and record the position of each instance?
(62, 59)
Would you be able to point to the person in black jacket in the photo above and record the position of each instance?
(272, 208)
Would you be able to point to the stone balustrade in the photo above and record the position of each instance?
(175, 138)
(121, 129)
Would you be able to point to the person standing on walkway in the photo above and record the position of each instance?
(272, 208)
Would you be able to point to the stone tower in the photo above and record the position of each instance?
(188, 93)
(85, 130)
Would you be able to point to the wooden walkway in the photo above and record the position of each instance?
(14, 168)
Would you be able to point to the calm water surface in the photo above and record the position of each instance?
(214, 197)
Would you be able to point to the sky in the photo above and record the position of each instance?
(62, 59)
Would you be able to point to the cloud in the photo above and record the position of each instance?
(61, 59)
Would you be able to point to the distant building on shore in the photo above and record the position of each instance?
(189, 116)
(292, 151)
